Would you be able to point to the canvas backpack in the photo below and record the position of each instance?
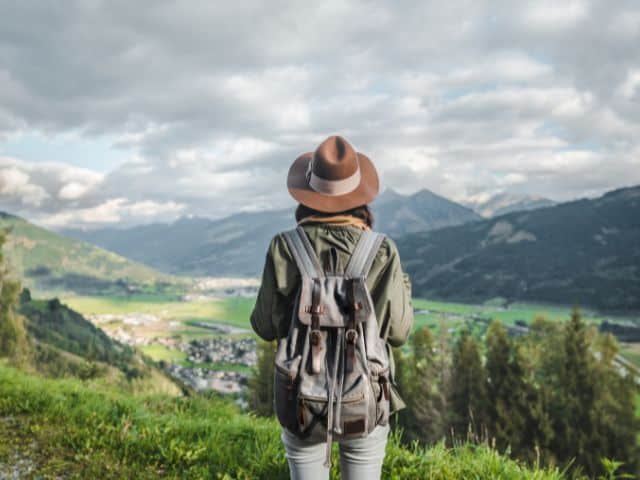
(332, 369)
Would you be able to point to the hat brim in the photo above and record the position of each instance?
(301, 191)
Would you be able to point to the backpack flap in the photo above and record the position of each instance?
(335, 302)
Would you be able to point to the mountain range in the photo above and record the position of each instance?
(235, 245)
(584, 252)
(505, 202)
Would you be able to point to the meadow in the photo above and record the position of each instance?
(65, 428)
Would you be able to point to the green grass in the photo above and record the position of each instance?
(80, 432)
(159, 352)
(507, 315)
(229, 311)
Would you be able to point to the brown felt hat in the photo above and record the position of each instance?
(334, 178)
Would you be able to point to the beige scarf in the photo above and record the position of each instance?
(336, 220)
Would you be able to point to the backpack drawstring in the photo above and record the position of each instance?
(341, 342)
(332, 396)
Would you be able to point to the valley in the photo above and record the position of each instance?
(117, 324)
(206, 341)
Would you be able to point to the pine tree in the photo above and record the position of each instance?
(501, 381)
(617, 425)
(260, 394)
(517, 414)
(575, 398)
(423, 419)
(467, 394)
(13, 337)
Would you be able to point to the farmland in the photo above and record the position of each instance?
(180, 318)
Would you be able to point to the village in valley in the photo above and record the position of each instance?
(203, 351)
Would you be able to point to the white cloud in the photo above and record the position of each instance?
(16, 184)
(72, 191)
(114, 210)
(551, 14)
(631, 85)
(213, 102)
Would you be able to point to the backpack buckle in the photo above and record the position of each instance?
(314, 309)
(315, 337)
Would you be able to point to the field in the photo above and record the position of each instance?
(235, 311)
(229, 311)
(434, 311)
(431, 313)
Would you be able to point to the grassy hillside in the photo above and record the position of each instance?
(48, 262)
(61, 427)
(585, 252)
(63, 343)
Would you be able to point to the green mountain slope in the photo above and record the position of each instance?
(48, 262)
(62, 342)
(236, 245)
(585, 252)
(63, 428)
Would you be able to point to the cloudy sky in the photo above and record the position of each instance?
(119, 112)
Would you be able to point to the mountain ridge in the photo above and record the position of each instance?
(50, 262)
(506, 202)
(235, 245)
(586, 251)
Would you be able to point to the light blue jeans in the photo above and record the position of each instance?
(360, 458)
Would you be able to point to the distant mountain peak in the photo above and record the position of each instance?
(493, 204)
(388, 195)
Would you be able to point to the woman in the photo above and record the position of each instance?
(334, 186)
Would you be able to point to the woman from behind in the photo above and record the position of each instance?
(334, 295)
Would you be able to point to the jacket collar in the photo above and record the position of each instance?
(335, 220)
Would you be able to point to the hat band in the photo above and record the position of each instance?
(333, 187)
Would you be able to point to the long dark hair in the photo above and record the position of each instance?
(363, 212)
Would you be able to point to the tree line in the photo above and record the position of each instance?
(551, 396)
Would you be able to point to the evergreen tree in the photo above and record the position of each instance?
(467, 394)
(617, 425)
(423, 418)
(443, 370)
(13, 337)
(575, 399)
(517, 413)
(260, 394)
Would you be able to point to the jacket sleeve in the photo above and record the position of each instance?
(392, 297)
(270, 316)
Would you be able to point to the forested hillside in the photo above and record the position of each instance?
(584, 252)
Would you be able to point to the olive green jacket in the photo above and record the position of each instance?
(389, 286)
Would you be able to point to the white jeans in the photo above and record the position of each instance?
(360, 458)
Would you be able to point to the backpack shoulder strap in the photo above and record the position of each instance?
(363, 254)
(303, 253)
